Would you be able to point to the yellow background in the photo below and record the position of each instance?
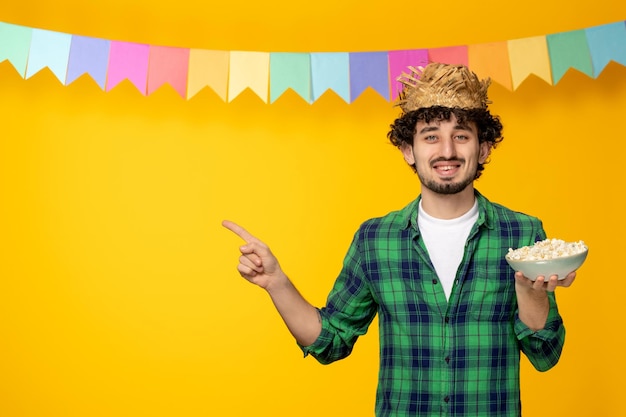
(118, 290)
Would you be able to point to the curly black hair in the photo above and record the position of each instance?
(489, 126)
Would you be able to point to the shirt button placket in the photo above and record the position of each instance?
(446, 320)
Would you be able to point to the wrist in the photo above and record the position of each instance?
(278, 283)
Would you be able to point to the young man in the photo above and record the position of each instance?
(453, 316)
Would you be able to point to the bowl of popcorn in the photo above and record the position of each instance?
(548, 257)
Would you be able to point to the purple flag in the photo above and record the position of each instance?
(88, 56)
(369, 69)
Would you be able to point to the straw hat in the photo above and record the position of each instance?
(437, 84)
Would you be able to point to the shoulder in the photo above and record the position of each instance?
(392, 222)
(503, 213)
(508, 222)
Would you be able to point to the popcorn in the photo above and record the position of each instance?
(547, 249)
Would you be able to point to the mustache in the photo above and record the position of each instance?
(442, 159)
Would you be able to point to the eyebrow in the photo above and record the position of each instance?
(463, 127)
(431, 128)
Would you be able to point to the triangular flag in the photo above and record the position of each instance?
(290, 70)
(88, 56)
(14, 45)
(369, 69)
(453, 55)
(208, 69)
(569, 50)
(168, 65)
(128, 61)
(491, 60)
(49, 49)
(399, 61)
(249, 70)
(330, 71)
(529, 56)
(607, 43)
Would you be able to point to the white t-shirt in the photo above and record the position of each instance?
(445, 242)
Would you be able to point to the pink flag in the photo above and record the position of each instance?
(168, 65)
(128, 61)
(399, 61)
(453, 55)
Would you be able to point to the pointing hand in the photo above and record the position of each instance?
(257, 264)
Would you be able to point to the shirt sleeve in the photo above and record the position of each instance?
(350, 309)
(543, 347)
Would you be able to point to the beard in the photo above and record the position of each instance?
(446, 188)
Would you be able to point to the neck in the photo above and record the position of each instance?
(448, 206)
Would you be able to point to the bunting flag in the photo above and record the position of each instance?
(48, 49)
(290, 71)
(491, 60)
(128, 61)
(208, 69)
(14, 46)
(329, 71)
(248, 70)
(607, 43)
(529, 56)
(369, 69)
(309, 74)
(569, 50)
(398, 63)
(168, 65)
(88, 56)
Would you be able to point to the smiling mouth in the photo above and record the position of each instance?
(446, 169)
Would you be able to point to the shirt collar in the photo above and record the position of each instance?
(485, 212)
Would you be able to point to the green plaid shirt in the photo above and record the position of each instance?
(438, 357)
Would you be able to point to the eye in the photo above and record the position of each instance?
(461, 137)
(430, 138)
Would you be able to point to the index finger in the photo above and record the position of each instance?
(238, 230)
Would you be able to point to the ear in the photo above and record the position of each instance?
(485, 151)
(407, 152)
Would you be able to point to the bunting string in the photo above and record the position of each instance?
(270, 74)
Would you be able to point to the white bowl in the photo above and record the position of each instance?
(558, 266)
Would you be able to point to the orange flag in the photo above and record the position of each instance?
(491, 60)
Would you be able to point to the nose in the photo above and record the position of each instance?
(448, 148)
